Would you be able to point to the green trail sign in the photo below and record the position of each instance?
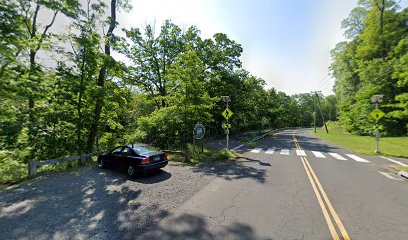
(199, 131)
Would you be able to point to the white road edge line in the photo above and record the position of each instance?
(318, 154)
(394, 161)
(338, 156)
(356, 158)
(237, 147)
(387, 175)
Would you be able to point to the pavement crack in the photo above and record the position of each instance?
(222, 216)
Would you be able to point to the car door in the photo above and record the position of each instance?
(114, 156)
(125, 157)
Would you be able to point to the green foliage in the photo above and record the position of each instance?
(373, 61)
(391, 146)
(174, 80)
(11, 168)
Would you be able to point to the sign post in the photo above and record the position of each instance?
(377, 114)
(227, 113)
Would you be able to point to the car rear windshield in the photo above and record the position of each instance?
(141, 150)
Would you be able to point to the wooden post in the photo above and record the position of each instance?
(82, 160)
(32, 168)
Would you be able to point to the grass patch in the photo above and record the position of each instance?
(389, 146)
(400, 168)
(254, 144)
(225, 155)
(175, 157)
(209, 155)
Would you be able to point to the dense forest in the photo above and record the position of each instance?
(65, 94)
(373, 60)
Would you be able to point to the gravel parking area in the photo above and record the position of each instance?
(91, 203)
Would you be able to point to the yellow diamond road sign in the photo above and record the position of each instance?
(377, 114)
(227, 113)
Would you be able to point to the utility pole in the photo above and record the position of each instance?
(314, 120)
(321, 112)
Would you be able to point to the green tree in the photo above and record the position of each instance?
(108, 63)
(367, 65)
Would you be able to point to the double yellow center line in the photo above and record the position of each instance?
(323, 200)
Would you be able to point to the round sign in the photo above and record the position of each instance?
(199, 131)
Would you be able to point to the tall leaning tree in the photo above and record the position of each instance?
(107, 64)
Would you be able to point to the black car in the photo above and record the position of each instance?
(136, 158)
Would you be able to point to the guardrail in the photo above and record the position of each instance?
(257, 138)
(33, 165)
(272, 131)
(174, 151)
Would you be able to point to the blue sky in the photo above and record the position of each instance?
(286, 43)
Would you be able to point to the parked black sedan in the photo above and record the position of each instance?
(136, 158)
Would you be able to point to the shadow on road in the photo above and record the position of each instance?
(190, 226)
(265, 164)
(232, 171)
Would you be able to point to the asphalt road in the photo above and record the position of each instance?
(281, 193)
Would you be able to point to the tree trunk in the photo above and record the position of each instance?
(101, 81)
(31, 105)
(381, 9)
(79, 106)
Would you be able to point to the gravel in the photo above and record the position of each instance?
(91, 203)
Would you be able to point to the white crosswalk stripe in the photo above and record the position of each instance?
(338, 156)
(256, 150)
(284, 151)
(357, 158)
(318, 154)
(301, 153)
(270, 151)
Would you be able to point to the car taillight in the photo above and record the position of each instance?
(145, 160)
(165, 156)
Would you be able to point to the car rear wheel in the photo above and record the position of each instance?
(131, 171)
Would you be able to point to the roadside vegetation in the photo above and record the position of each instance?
(400, 168)
(83, 99)
(373, 60)
(67, 93)
(209, 155)
(389, 146)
